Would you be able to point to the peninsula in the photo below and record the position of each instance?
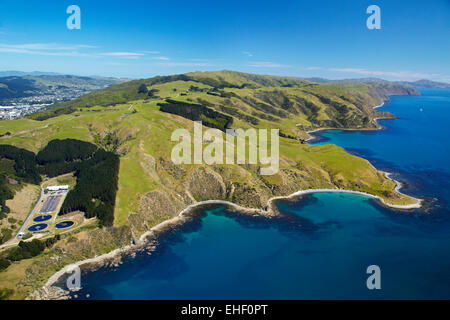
(132, 122)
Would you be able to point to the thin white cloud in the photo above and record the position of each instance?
(46, 49)
(267, 64)
(313, 68)
(76, 50)
(44, 53)
(247, 53)
(115, 64)
(123, 54)
(403, 74)
(161, 58)
(134, 55)
(184, 64)
(151, 52)
(46, 46)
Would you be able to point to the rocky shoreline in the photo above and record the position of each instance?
(378, 126)
(149, 240)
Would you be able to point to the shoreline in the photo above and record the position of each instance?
(388, 175)
(166, 224)
(378, 126)
(182, 217)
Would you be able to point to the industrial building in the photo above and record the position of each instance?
(57, 188)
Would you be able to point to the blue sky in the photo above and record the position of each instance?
(136, 38)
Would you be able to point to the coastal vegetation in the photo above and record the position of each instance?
(96, 188)
(17, 166)
(135, 186)
(197, 112)
(24, 163)
(292, 103)
(63, 156)
(95, 170)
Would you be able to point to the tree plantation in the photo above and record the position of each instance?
(96, 171)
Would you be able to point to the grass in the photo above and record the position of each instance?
(66, 179)
(13, 276)
(151, 131)
(21, 205)
(146, 166)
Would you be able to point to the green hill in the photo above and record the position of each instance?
(136, 119)
(293, 104)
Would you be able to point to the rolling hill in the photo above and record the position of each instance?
(292, 104)
(136, 119)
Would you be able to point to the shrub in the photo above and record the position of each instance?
(4, 264)
(143, 89)
(6, 293)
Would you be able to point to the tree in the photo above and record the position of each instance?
(4, 264)
(26, 250)
(142, 89)
(6, 293)
(151, 93)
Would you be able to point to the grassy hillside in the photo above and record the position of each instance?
(152, 189)
(293, 104)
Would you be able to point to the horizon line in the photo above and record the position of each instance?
(54, 73)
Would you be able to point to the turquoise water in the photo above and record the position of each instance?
(323, 243)
(415, 147)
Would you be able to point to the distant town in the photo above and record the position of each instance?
(19, 111)
(20, 107)
(21, 96)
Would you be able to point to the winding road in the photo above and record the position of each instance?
(27, 221)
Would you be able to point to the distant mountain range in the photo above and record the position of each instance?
(423, 83)
(227, 96)
(19, 86)
(22, 74)
(16, 86)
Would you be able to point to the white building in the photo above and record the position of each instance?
(57, 188)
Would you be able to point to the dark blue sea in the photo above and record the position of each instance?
(322, 245)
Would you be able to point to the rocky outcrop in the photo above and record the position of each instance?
(156, 206)
(49, 293)
(206, 184)
(74, 248)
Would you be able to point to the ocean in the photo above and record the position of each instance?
(322, 245)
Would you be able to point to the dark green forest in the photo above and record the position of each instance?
(63, 156)
(26, 250)
(96, 171)
(96, 188)
(18, 164)
(24, 163)
(197, 112)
